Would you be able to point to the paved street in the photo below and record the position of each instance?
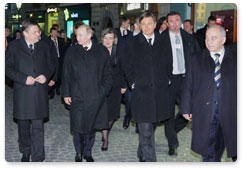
(122, 143)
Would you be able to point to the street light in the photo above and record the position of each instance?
(18, 7)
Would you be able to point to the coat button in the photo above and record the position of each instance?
(207, 103)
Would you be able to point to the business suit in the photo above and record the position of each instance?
(30, 102)
(147, 76)
(60, 57)
(198, 99)
(122, 40)
(174, 125)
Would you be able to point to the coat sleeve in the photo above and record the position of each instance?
(187, 89)
(51, 61)
(106, 85)
(10, 70)
(66, 76)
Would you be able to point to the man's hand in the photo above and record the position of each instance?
(123, 90)
(40, 79)
(30, 80)
(188, 117)
(51, 83)
(68, 100)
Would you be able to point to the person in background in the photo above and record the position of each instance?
(209, 98)
(30, 64)
(17, 35)
(122, 33)
(54, 84)
(188, 26)
(201, 33)
(7, 36)
(161, 25)
(131, 27)
(86, 82)
(66, 39)
(109, 40)
(148, 78)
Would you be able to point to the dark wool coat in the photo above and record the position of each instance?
(87, 79)
(147, 68)
(197, 99)
(30, 101)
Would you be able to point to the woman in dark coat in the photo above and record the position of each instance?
(87, 80)
(109, 40)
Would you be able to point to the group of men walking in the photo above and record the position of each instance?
(160, 70)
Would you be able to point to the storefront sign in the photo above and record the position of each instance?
(74, 15)
(49, 10)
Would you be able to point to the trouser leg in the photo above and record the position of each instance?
(37, 141)
(24, 137)
(146, 141)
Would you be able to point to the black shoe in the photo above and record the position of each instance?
(57, 91)
(89, 158)
(172, 151)
(105, 148)
(141, 159)
(126, 123)
(25, 158)
(78, 157)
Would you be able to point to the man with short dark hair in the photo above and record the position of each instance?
(178, 45)
(200, 34)
(30, 64)
(147, 76)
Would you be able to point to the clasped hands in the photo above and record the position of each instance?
(39, 79)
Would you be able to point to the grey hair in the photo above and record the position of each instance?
(221, 29)
(109, 31)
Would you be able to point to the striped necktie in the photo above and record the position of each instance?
(217, 74)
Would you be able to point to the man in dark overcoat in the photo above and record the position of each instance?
(209, 98)
(30, 64)
(147, 76)
(87, 80)
(178, 46)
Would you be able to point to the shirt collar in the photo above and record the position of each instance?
(153, 36)
(89, 45)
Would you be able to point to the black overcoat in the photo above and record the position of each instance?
(147, 68)
(197, 99)
(87, 79)
(29, 101)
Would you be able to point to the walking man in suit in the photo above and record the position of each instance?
(147, 76)
(209, 98)
(87, 80)
(30, 64)
(59, 44)
(178, 45)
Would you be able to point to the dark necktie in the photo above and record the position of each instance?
(217, 74)
(31, 48)
(85, 48)
(123, 32)
(150, 41)
(55, 42)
